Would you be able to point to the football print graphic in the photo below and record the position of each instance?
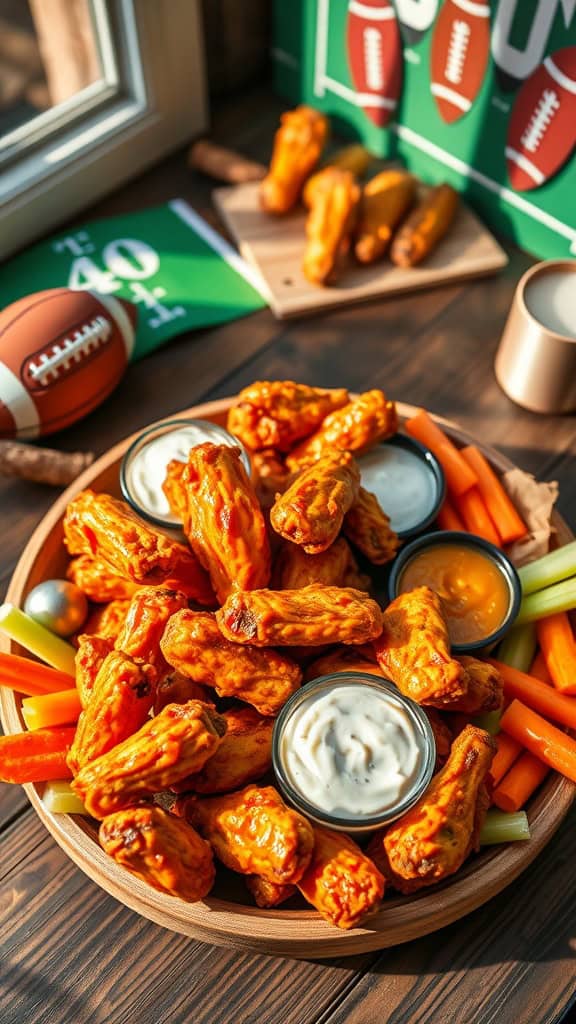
(375, 57)
(542, 129)
(459, 56)
(62, 352)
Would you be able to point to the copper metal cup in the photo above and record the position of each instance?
(535, 366)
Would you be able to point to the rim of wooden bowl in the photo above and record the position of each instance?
(295, 933)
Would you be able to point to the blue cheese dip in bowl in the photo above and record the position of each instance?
(408, 481)
(143, 467)
(351, 752)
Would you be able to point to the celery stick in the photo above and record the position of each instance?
(556, 565)
(518, 647)
(59, 799)
(502, 827)
(37, 639)
(561, 597)
(489, 721)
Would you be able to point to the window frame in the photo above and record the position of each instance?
(158, 104)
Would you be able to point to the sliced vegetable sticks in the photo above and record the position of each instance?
(500, 827)
(500, 507)
(539, 669)
(551, 568)
(518, 647)
(36, 756)
(520, 782)
(448, 518)
(459, 476)
(37, 639)
(49, 709)
(541, 738)
(558, 648)
(30, 677)
(560, 597)
(507, 751)
(540, 696)
(474, 514)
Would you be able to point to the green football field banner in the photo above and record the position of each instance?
(180, 273)
(479, 94)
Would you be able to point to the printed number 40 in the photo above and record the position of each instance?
(124, 259)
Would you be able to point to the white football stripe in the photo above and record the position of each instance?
(368, 99)
(554, 71)
(450, 95)
(479, 10)
(371, 13)
(524, 164)
(19, 402)
(117, 311)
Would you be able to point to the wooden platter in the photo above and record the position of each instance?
(224, 919)
(275, 246)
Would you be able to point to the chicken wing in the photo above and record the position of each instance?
(224, 522)
(268, 894)
(355, 427)
(278, 413)
(149, 612)
(269, 475)
(308, 617)
(107, 529)
(175, 743)
(118, 704)
(368, 527)
(312, 510)
(175, 493)
(334, 567)
(107, 619)
(413, 650)
(193, 643)
(432, 840)
(253, 832)
(340, 881)
(343, 659)
(90, 654)
(385, 200)
(161, 850)
(425, 227)
(329, 225)
(244, 755)
(485, 690)
(298, 146)
(98, 582)
(178, 688)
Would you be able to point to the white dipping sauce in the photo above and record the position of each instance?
(402, 482)
(351, 751)
(551, 299)
(146, 470)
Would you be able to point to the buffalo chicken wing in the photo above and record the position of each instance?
(355, 427)
(277, 413)
(340, 881)
(311, 512)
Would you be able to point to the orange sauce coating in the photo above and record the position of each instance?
(475, 594)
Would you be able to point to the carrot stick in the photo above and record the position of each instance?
(459, 476)
(558, 647)
(29, 677)
(552, 746)
(545, 699)
(448, 518)
(520, 783)
(470, 506)
(36, 756)
(500, 507)
(539, 669)
(48, 709)
(507, 752)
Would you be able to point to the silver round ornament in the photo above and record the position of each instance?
(58, 605)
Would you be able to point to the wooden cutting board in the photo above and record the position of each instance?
(275, 245)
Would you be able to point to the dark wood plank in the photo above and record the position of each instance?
(55, 922)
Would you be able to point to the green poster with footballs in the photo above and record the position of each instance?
(478, 94)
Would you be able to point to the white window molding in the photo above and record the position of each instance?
(151, 100)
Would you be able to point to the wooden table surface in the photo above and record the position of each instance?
(69, 952)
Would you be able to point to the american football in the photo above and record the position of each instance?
(375, 57)
(62, 352)
(542, 129)
(459, 56)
